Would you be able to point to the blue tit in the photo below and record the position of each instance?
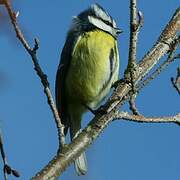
(88, 67)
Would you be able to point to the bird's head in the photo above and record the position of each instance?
(96, 17)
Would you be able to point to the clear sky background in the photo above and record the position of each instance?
(126, 150)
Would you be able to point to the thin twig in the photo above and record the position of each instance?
(132, 104)
(133, 32)
(176, 82)
(140, 118)
(135, 26)
(171, 57)
(136, 22)
(3, 156)
(40, 73)
(7, 169)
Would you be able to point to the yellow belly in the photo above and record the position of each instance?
(90, 68)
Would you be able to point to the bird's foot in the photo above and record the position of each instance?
(119, 81)
(100, 110)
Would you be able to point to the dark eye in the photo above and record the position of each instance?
(107, 22)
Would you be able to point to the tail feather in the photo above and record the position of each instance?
(80, 163)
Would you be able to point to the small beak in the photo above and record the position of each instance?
(118, 30)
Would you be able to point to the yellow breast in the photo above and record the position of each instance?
(90, 67)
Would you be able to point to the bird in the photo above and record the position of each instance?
(89, 66)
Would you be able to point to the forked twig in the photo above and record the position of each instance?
(176, 81)
(171, 57)
(7, 169)
(33, 53)
(140, 118)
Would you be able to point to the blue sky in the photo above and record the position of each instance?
(126, 150)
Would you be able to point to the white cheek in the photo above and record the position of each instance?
(100, 24)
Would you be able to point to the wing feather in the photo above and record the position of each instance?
(61, 75)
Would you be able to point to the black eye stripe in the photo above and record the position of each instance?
(107, 22)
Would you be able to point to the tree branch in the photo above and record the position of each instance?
(7, 170)
(140, 118)
(61, 161)
(135, 26)
(37, 68)
(133, 32)
(3, 157)
(176, 82)
(171, 57)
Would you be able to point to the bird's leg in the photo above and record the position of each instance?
(116, 84)
(100, 110)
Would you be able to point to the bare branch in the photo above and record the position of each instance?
(134, 30)
(7, 169)
(133, 43)
(176, 82)
(162, 46)
(171, 57)
(132, 67)
(40, 73)
(140, 118)
(3, 157)
(132, 104)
